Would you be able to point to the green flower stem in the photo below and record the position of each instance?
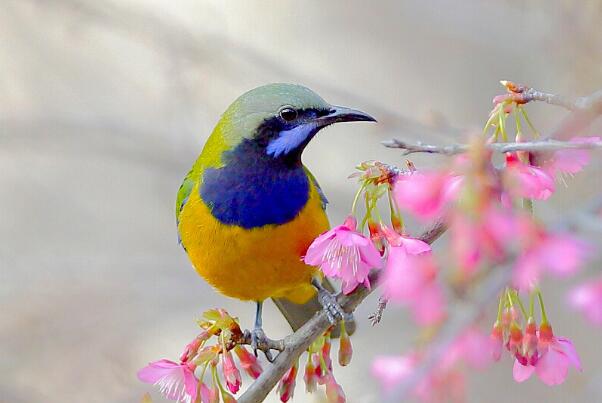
(514, 295)
(502, 123)
(524, 113)
(489, 122)
(393, 210)
(518, 124)
(356, 198)
(500, 308)
(544, 316)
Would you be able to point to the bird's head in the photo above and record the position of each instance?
(279, 120)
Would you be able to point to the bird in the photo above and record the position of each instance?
(248, 209)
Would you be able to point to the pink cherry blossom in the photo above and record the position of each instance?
(528, 181)
(556, 355)
(571, 161)
(587, 298)
(176, 381)
(484, 237)
(558, 254)
(425, 194)
(409, 279)
(346, 254)
(390, 370)
(405, 275)
(475, 348)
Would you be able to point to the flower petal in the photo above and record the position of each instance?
(415, 246)
(552, 367)
(569, 349)
(522, 372)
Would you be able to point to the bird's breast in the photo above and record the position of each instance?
(256, 263)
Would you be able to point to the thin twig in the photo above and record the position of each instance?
(590, 102)
(298, 342)
(454, 149)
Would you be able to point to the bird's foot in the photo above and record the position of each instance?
(331, 306)
(259, 341)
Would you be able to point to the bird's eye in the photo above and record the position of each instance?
(287, 113)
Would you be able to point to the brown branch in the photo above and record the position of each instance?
(453, 149)
(523, 94)
(298, 342)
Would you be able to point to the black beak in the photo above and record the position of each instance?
(342, 114)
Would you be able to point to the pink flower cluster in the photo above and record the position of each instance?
(409, 273)
(179, 381)
(346, 254)
(535, 350)
(318, 369)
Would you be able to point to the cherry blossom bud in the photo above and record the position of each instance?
(286, 387)
(334, 391)
(345, 348)
(546, 336)
(509, 316)
(497, 339)
(530, 342)
(310, 377)
(231, 372)
(248, 362)
(227, 397)
(376, 236)
(515, 340)
(191, 348)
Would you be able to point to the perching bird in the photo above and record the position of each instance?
(248, 209)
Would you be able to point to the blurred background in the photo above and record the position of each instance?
(104, 105)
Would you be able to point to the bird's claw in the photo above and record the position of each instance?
(331, 306)
(259, 341)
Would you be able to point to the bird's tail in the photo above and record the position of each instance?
(297, 314)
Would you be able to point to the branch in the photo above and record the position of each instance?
(298, 342)
(522, 94)
(453, 149)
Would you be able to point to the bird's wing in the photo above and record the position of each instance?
(182, 198)
(314, 181)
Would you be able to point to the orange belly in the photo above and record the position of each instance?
(253, 264)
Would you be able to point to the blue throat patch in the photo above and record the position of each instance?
(254, 188)
(289, 140)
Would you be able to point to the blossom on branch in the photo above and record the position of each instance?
(426, 195)
(346, 254)
(176, 381)
(551, 365)
(528, 181)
